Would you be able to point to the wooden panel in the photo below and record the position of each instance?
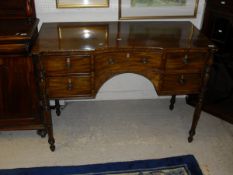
(57, 65)
(181, 83)
(18, 89)
(69, 86)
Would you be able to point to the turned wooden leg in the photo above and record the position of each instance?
(57, 107)
(49, 127)
(45, 107)
(172, 102)
(197, 112)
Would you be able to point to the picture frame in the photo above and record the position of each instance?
(81, 3)
(157, 9)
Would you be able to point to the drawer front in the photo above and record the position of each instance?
(14, 48)
(69, 86)
(128, 60)
(185, 60)
(55, 65)
(181, 83)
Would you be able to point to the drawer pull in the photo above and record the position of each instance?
(186, 59)
(68, 63)
(223, 2)
(144, 60)
(128, 55)
(181, 80)
(69, 85)
(111, 61)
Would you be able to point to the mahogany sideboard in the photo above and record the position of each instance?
(73, 60)
(19, 98)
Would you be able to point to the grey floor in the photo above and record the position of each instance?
(90, 132)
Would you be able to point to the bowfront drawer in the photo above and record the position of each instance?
(181, 83)
(185, 60)
(128, 60)
(69, 86)
(56, 65)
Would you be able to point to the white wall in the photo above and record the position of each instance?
(126, 86)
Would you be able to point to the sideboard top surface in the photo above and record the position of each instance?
(92, 36)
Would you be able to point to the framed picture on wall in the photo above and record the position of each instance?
(152, 9)
(81, 3)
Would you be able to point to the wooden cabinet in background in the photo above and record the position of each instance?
(19, 99)
(218, 26)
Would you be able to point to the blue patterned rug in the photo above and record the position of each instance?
(181, 165)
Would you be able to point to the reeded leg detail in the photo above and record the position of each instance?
(46, 112)
(197, 112)
(172, 102)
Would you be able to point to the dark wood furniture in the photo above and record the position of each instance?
(218, 26)
(73, 60)
(19, 102)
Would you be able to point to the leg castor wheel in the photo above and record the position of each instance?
(42, 133)
(52, 144)
(191, 134)
(190, 139)
(52, 148)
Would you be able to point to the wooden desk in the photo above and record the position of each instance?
(73, 60)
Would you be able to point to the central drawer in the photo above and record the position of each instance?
(70, 64)
(128, 60)
(71, 86)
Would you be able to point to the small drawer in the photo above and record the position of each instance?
(13, 48)
(185, 60)
(73, 86)
(55, 65)
(110, 59)
(128, 60)
(181, 83)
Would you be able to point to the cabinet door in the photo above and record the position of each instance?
(18, 95)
